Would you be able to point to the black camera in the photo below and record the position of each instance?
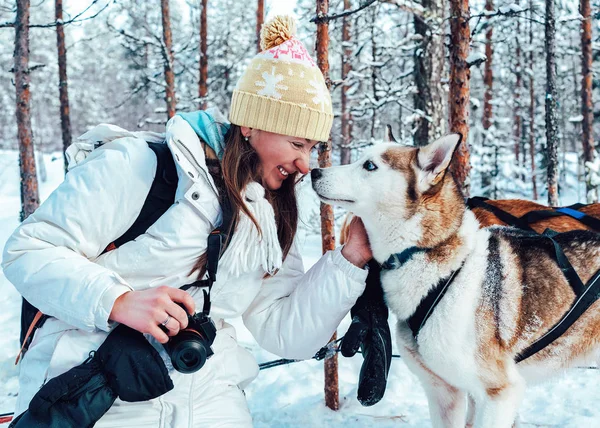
(190, 349)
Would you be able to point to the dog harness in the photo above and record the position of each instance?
(525, 220)
(425, 309)
(585, 294)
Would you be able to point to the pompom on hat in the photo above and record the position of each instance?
(282, 90)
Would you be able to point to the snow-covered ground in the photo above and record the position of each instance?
(292, 395)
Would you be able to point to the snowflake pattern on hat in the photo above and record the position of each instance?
(271, 84)
(320, 92)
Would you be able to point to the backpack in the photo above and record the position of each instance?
(160, 197)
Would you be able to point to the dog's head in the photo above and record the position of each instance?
(388, 179)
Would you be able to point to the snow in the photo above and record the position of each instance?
(576, 119)
(292, 395)
(475, 58)
(511, 8)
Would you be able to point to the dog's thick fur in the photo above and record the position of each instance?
(508, 293)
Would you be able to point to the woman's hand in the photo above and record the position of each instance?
(145, 310)
(357, 249)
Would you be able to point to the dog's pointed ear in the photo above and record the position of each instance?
(389, 134)
(434, 160)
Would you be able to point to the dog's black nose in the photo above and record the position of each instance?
(316, 174)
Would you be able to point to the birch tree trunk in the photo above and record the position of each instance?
(332, 399)
(458, 97)
(30, 199)
(586, 95)
(517, 99)
(65, 119)
(346, 119)
(488, 82)
(428, 73)
(551, 115)
(168, 59)
(374, 69)
(532, 106)
(203, 82)
(260, 18)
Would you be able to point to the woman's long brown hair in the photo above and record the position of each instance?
(240, 166)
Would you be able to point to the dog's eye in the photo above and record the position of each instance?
(369, 166)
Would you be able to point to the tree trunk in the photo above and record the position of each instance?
(517, 99)
(260, 18)
(332, 399)
(532, 106)
(428, 73)
(488, 82)
(460, 35)
(551, 118)
(374, 69)
(346, 119)
(65, 119)
(168, 58)
(30, 199)
(586, 94)
(203, 83)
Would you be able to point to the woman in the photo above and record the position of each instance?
(57, 260)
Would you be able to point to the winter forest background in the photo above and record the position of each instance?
(514, 77)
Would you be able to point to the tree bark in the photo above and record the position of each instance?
(517, 99)
(332, 399)
(586, 94)
(460, 35)
(428, 73)
(532, 107)
(346, 119)
(65, 119)
(551, 117)
(374, 69)
(260, 18)
(30, 199)
(169, 60)
(203, 82)
(488, 82)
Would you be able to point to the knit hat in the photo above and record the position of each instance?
(282, 90)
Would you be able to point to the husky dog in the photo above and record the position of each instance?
(507, 290)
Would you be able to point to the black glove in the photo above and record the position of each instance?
(125, 366)
(370, 331)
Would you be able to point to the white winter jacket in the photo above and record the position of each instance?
(54, 260)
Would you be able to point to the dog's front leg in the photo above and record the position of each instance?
(499, 406)
(471, 412)
(447, 404)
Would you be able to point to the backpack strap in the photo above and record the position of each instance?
(160, 197)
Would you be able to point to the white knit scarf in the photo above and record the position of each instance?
(249, 250)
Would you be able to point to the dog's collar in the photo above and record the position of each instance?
(395, 261)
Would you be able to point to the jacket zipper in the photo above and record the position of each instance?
(190, 157)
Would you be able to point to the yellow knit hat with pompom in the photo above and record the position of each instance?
(282, 90)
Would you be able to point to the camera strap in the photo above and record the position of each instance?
(219, 237)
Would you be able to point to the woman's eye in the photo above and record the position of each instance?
(369, 166)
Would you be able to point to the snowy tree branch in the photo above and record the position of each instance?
(319, 19)
(70, 21)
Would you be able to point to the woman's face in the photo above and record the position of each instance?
(280, 155)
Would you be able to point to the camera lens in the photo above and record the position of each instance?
(189, 358)
(188, 354)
